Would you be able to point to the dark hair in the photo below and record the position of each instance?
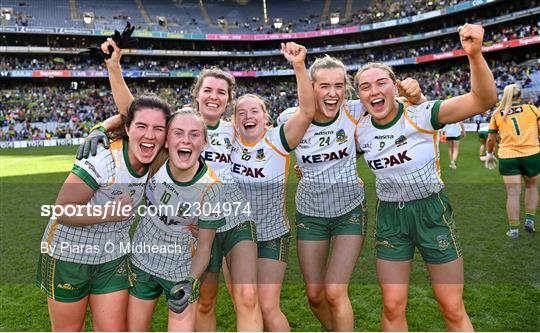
(150, 102)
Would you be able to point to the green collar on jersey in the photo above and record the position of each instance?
(200, 172)
(213, 128)
(391, 123)
(328, 123)
(130, 168)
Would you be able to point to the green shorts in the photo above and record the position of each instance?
(275, 249)
(427, 224)
(323, 228)
(526, 165)
(482, 135)
(225, 241)
(147, 286)
(68, 282)
(453, 138)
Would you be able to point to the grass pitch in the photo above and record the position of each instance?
(502, 288)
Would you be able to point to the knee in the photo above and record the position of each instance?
(453, 310)
(394, 307)
(268, 308)
(246, 298)
(206, 304)
(315, 294)
(336, 294)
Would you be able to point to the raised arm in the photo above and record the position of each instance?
(483, 94)
(121, 94)
(295, 128)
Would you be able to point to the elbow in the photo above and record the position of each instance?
(491, 100)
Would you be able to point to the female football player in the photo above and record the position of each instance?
(330, 201)
(184, 182)
(400, 146)
(236, 241)
(93, 270)
(260, 163)
(519, 155)
(454, 132)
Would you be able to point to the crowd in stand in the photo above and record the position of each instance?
(378, 10)
(449, 43)
(76, 110)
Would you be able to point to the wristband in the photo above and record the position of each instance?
(98, 127)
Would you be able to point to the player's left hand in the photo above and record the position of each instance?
(183, 293)
(410, 89)
(294, 53)
(471, 36)
(90, 143)
(490, 161)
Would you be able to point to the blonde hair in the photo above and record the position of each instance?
(218, 74)
(328, 62)
(163, 154)
(374, 65)
(259, 101)
(511, 93)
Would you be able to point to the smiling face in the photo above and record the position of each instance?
(329, 86)
(146, 134)
(250, 119)
(377, 92)
(186, 138)
(212, 98)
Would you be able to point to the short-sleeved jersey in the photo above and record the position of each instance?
(218, 156)
(330, 185)
(218, 152)
(518, 131)
(172, 207)
(452, 130)
(110, 175)
(261, 171)
(404, 154)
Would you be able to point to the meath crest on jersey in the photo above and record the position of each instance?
(341, 137)
(260, 155)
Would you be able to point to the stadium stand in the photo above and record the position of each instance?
(46, 107)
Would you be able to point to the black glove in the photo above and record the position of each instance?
(123, 41)
(183, 294)
(90, 144)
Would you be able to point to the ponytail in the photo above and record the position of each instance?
(511, 93)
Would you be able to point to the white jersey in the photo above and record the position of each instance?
(218, 156)
(404, 154)
(110, 175)
(261, 171)
(452, 130)
(330, 185)
(218, 152)
(174, 207)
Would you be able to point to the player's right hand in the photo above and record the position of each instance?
(297, 171)
(90, 144)
(110, 47)
(490, 161)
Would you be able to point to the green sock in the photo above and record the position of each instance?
(530, 215)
